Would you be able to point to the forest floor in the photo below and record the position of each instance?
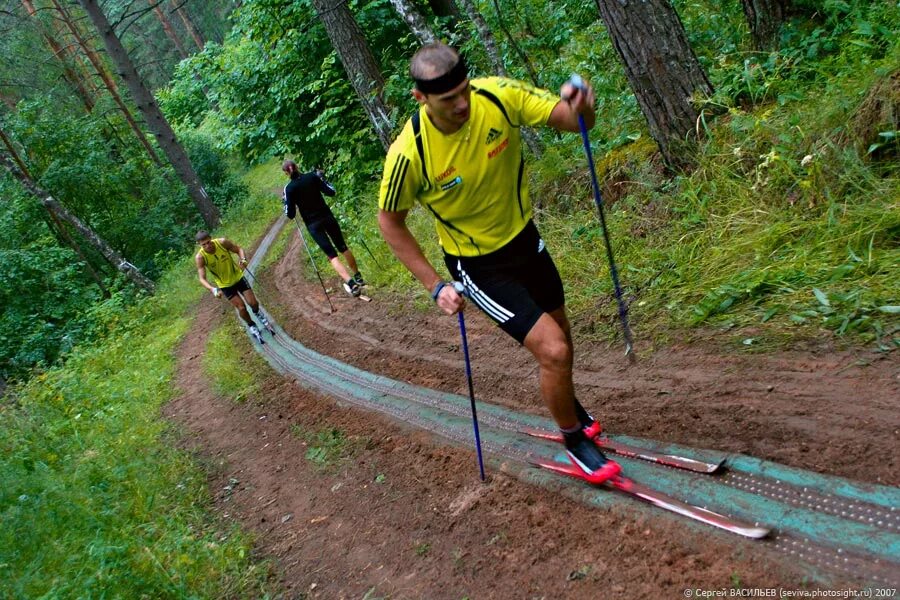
(407, 517)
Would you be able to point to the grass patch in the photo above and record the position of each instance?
(230, 363)
(329, 447)
(95, 501)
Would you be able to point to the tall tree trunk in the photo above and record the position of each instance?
(764, 18)
(178, 6)
(512, 42)
(365, 76)
(68, 72)
(60, 212)
(167, 27)
(8, 100)
(157, 123)
(107, 79)
(486, 36)
(662, 70)
(15, 155)
(409, 13)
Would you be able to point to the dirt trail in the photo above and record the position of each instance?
(408, 518)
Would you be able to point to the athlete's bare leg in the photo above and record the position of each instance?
(550, 343)
(338, 266)
(351, 260)
(238, 303)
(250, 298)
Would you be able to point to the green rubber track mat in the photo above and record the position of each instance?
(833, 527)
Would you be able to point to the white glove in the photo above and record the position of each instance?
(216, 292)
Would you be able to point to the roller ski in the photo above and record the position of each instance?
(255, 334)
(588, 462)
(354, 287)
(264, 321)
(627, 486)
(607, 445)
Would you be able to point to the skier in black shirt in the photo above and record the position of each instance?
(303, 194)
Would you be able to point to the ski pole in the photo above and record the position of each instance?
(315, 268)
(366, 246)
(578, 82)
(465, 347)
(252, 276)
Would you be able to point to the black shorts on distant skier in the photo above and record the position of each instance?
(303, 194)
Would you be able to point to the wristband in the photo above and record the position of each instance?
(437, 290)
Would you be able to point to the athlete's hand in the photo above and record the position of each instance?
(578, 93)
(450, 298)
(216, 292)
(243, 261)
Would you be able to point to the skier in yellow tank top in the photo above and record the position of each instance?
(215, 258)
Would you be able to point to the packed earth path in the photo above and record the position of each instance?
(407, 517)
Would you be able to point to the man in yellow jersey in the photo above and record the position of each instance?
(460, 156)
(215, 257)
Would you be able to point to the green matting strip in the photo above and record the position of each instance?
(887, 497)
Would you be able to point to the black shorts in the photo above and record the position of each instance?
(232, 290)
(327, 234)
(514, 285)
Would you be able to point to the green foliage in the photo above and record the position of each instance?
(113, 188)
(47, 305)
(220, 179)
(263, 99)
(94, 498)
(184, 100)
(140, 210)
(845, 37)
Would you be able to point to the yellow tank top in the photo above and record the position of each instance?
(222, 266)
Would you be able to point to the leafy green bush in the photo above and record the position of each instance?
(220, 178)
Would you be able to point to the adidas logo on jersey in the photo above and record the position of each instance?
(492, 136)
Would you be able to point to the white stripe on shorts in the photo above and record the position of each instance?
(485, 302)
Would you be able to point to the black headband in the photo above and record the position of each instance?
(446, 82)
